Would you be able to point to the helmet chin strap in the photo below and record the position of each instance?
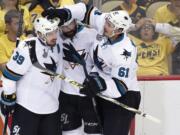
(43, 39)
(112, 34)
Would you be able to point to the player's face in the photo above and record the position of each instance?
(51, 38)
(109, 29)
(147, 32)
(69, 30)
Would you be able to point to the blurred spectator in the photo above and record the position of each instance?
(23, 2)
(37, 6)
(147, 3)
(153, 50)
(8, 40)
(136, 12)
(170, 13)
(7, 5)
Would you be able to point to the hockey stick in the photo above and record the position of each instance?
(83, 63)
(80, 60)
(78, 85)
(145, 115)
(5, 124)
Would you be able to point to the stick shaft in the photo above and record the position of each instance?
(78, 85)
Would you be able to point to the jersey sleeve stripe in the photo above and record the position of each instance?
(11, 75)
(122, 88)
(88, 14)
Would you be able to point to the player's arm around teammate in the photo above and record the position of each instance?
(114, 56)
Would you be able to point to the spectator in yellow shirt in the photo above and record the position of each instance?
(147, 3)
(7, 5)
(170, 13)
(38, 6)
(153, 51)
(8, 41)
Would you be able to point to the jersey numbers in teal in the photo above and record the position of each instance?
(18, 58)
(123, 72)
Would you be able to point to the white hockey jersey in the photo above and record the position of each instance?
(113, 59)
(82, 42)
(35, 91)
(116, 60)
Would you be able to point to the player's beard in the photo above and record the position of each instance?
(70, 34)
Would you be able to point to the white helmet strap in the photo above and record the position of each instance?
(114, 32)
(42, 37)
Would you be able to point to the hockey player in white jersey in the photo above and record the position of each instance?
(75, 107)
(30, 94)
(114, 56)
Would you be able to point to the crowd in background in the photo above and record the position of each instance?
(158, 54)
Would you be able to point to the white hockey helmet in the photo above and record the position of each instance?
(120, 19)
(68, 22)
(44, 26)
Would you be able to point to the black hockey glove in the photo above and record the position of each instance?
(71, 55)
(8, 103)
(93, 84)
(63, 14)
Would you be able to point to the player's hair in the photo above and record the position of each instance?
(11, 14)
